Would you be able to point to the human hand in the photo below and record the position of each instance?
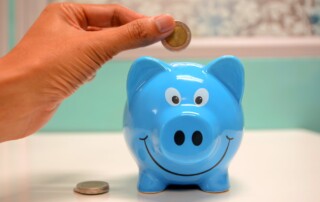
(62, 50)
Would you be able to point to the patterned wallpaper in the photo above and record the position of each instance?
(234, 17)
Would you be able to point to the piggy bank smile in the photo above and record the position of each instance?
(183, 122)
(185, 174)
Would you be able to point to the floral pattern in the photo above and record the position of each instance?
(235, 17)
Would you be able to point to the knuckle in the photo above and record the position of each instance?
(116, 6)
(53, 7)
(137, 30)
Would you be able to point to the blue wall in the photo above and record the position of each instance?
(279, 93)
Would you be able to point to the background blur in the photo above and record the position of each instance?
(277, 40)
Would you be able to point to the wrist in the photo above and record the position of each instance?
(20, 101)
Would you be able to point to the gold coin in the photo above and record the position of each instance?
(179, 39)
(92, 187)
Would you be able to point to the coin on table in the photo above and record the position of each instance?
(179, 39)
(92, 187)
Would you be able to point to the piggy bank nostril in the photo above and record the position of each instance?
(197, 138)
(179, 137)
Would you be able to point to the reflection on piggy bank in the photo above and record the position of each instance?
(183, 122)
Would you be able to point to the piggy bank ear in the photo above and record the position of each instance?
(229, 70)
(141, 71)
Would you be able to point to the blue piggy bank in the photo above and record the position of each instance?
(183, 122)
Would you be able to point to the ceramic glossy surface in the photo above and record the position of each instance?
(183, 122)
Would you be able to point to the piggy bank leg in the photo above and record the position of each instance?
(217, 182)
(150, 182)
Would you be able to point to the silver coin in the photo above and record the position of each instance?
(179, 39)
(92, 187)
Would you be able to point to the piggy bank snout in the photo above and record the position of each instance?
(187, 138)
(179, 137)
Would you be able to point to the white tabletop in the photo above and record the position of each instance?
(275, 165)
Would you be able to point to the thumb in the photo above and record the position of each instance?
(142, 32)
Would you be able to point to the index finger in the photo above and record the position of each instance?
(109, 15)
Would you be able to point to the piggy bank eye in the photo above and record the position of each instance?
(173, 96)
(201, 97)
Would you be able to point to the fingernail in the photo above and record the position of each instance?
(164, 23)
